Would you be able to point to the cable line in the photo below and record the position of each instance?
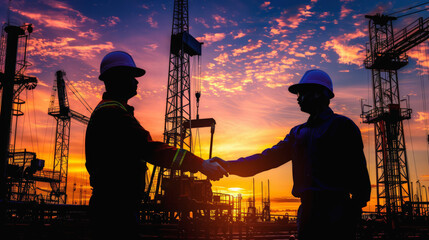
(78, 96)
(406, 9)
(413, 12)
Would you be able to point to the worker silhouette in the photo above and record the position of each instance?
(329, 167)
(117, 147)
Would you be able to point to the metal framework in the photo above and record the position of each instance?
(385, 56)
(178, 108)
(178, 102)
(12, 82)
(63, 114)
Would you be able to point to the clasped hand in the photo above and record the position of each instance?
(214, 168)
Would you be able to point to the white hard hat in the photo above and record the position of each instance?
(314, 77)
(119, 59)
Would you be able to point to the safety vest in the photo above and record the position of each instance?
(110, 103)
(178, 159)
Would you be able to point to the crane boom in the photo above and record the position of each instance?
(79, 117)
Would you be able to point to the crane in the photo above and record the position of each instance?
(63, 115)
(386, 54)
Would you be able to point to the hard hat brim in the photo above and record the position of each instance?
(136, 72)
(297, 87)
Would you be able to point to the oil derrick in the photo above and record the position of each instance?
(178, 103)
(178, 109)
(385, 56)
(63, 115)
(13, 82)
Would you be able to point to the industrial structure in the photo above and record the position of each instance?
(14, 165)
(63, 115)
(22, 172)
(178, 103)
(173, 197)
(385, 56)
(17, 166)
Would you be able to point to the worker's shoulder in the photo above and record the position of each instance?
(341, 119)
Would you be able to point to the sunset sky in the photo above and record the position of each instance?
(253, 50)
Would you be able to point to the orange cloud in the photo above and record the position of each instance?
(324, 14)
(90, 34)
(112, 21)
(422, 117)
(279, 45)
(289, 61)
(240, 34)
(151, 47)
(291, 21)
(344, 12)
(62, 16)
(219, 19)
(325, 57)
(211, 37)
(419, 54)
(65, 6)
(265, 4)
(202, 21)
(62, 46)
(300, 17)
(50, 20)
(247, 48)
(152, 23)
(348, 54)
(222, 58)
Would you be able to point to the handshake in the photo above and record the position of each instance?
(215, 168)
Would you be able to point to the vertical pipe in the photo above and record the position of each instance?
(262, 194)
(254, 202)
(269, 202)
(211, 140)
(13, 33)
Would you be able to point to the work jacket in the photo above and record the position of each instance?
(327, 156)
(117, 147)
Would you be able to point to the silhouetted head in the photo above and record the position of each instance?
(313, 99)
(119, 72)
(314, 91)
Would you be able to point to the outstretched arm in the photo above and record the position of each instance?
(254, 164)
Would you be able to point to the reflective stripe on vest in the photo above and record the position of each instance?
(110, 104)
(178, 159)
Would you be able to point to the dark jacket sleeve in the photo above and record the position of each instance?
(158, 153)
(270, 158)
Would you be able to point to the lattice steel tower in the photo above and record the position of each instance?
(385, 56)
(178, 106)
